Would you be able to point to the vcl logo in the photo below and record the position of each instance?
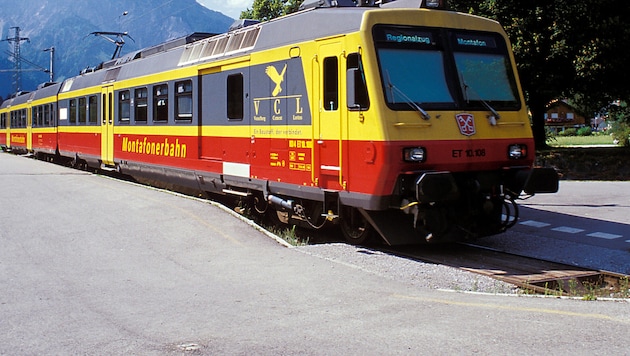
(276, 77)
(466, 123)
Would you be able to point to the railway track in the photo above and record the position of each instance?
(529, 274)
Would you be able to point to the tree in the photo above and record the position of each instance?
(265, 10)
(564, 48)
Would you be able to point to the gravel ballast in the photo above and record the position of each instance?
(410, 272)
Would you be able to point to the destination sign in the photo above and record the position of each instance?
(472, 40)
(389, 37)
(404, 36)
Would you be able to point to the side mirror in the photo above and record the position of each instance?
(356, 91)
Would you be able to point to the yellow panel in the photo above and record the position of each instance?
(156, 130)
(80, 129)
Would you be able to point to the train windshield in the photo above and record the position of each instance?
(414, 76)
(431, 68)
(484, 70)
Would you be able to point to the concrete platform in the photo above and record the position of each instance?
(92, 265)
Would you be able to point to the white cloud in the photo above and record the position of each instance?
(231, 8)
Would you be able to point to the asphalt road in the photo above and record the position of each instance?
(585, 224)
(92, 265)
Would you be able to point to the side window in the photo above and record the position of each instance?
(141, 108)
(235, 97)
(73, 111)
(184, 101)
(40, 116)
(357, 88)
(82, 110)
(3, 121)
(160, 103)
(331, 83)
(47, 119)
(93, 109)
(124, 106)
(35, 115)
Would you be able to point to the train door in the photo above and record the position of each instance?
(29, 124)
(327, 127)
(107, 125)
(8, 125)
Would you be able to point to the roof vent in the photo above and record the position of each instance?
(311, 4)
(242, 23)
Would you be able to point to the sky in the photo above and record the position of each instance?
(231, 8)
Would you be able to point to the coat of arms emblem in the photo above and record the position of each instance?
(466, 123)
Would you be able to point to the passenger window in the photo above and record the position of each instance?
(235, 97)
(124, 106)
(35, 115)
(93, 109)
(184, 101)
(160, 103)
(73, 111)
(331, 83)
(82, 110)
(40, 116)
(141, 109)
(47, 119)
(25, 122)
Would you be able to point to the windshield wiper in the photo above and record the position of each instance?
(487, 105)
(408, 101)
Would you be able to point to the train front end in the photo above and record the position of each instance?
(457, 147)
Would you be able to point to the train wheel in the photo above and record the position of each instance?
(355, 228)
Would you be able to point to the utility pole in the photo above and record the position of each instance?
(51, 71)
(17, 58)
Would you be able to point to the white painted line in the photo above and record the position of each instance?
(568, 230)
(534, 223)
(603, 235)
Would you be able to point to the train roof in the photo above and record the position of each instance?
(47, 90)
(6, 103)
(205, 47)
(18, 99)
(317, 19)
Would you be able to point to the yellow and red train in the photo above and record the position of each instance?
(398, 118)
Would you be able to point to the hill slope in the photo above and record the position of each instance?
(66, 25)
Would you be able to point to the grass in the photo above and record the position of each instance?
(568, 141)
(289, 235)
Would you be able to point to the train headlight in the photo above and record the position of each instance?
(517, 151)
(415, 154)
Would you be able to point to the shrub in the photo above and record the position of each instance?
(620, 132)
(568, 132)
(550, 135)
(584, 131)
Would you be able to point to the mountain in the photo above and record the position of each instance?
(67, 24)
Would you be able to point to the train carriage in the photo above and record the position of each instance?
(398, 119)
(18, 123)
(80, 120)
(5, 124)
(43, 108)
